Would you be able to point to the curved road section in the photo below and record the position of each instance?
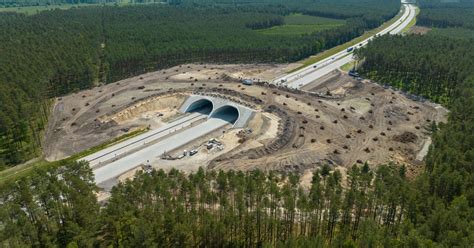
(309, 74)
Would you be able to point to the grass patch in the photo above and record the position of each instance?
(300, 19)
(298, 24)
(347, 67)
(109, 143)
(294, 30)
(330, 52)
(22, 170)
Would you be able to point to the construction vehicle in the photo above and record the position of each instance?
(353, 73)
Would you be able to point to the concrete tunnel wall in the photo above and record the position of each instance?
(203, 106)
(227, 112)
(221, 108)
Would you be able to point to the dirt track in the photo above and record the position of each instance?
(349, 121)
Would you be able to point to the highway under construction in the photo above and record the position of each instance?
(202, 115)
(242, 117)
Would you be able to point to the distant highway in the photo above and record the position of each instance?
(309, 74)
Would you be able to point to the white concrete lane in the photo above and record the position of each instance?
(314, 71)
(321, 72)
(150, 152)
(141, 140)
(404, 24)
(327, 61)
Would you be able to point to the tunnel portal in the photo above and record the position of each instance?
(219, 108)
(203, 106)
(227, 113)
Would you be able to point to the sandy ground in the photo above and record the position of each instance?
(91, 117)
(338, 120)
(418, 30)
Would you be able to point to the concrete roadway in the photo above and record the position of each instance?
(150, 152)
(314, 71)
(141, 140)
(143, 153)
(403, 25)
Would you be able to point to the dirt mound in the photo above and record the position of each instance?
(161, 103)
(405, 137)
(286, 130)
(238, 96)
(359, 115)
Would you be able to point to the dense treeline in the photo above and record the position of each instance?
(41, 57)
(170, 42)
(444, 3)
(326, 8)
(58, 52)
(445, 192)
(233, 209)
(380, 208)
(50, 209)
(24, 3)
(441, 69)
(458, 33)
(432, 67)
(209, 209)
(267, 23)
(365, 208)
(447, 17)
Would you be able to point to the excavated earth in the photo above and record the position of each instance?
(337, 120)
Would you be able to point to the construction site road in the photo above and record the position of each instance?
(141, 140)
(179, 139)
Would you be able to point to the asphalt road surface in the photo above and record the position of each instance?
(150, 152)
(314, 71)
(141, 140)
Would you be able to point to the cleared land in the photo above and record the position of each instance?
(418, 30)
(338, 120)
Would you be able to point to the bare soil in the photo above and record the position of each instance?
(337, 120)
(418, 30)
(92, 117)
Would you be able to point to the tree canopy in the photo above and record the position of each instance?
(438, 68)
(378, 207)
(58, 52)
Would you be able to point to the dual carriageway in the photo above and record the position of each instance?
(201, 116)
(201, 119)
(309, 74)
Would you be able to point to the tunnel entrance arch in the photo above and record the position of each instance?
(203, 106)
(227, 113)
(211, 106)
